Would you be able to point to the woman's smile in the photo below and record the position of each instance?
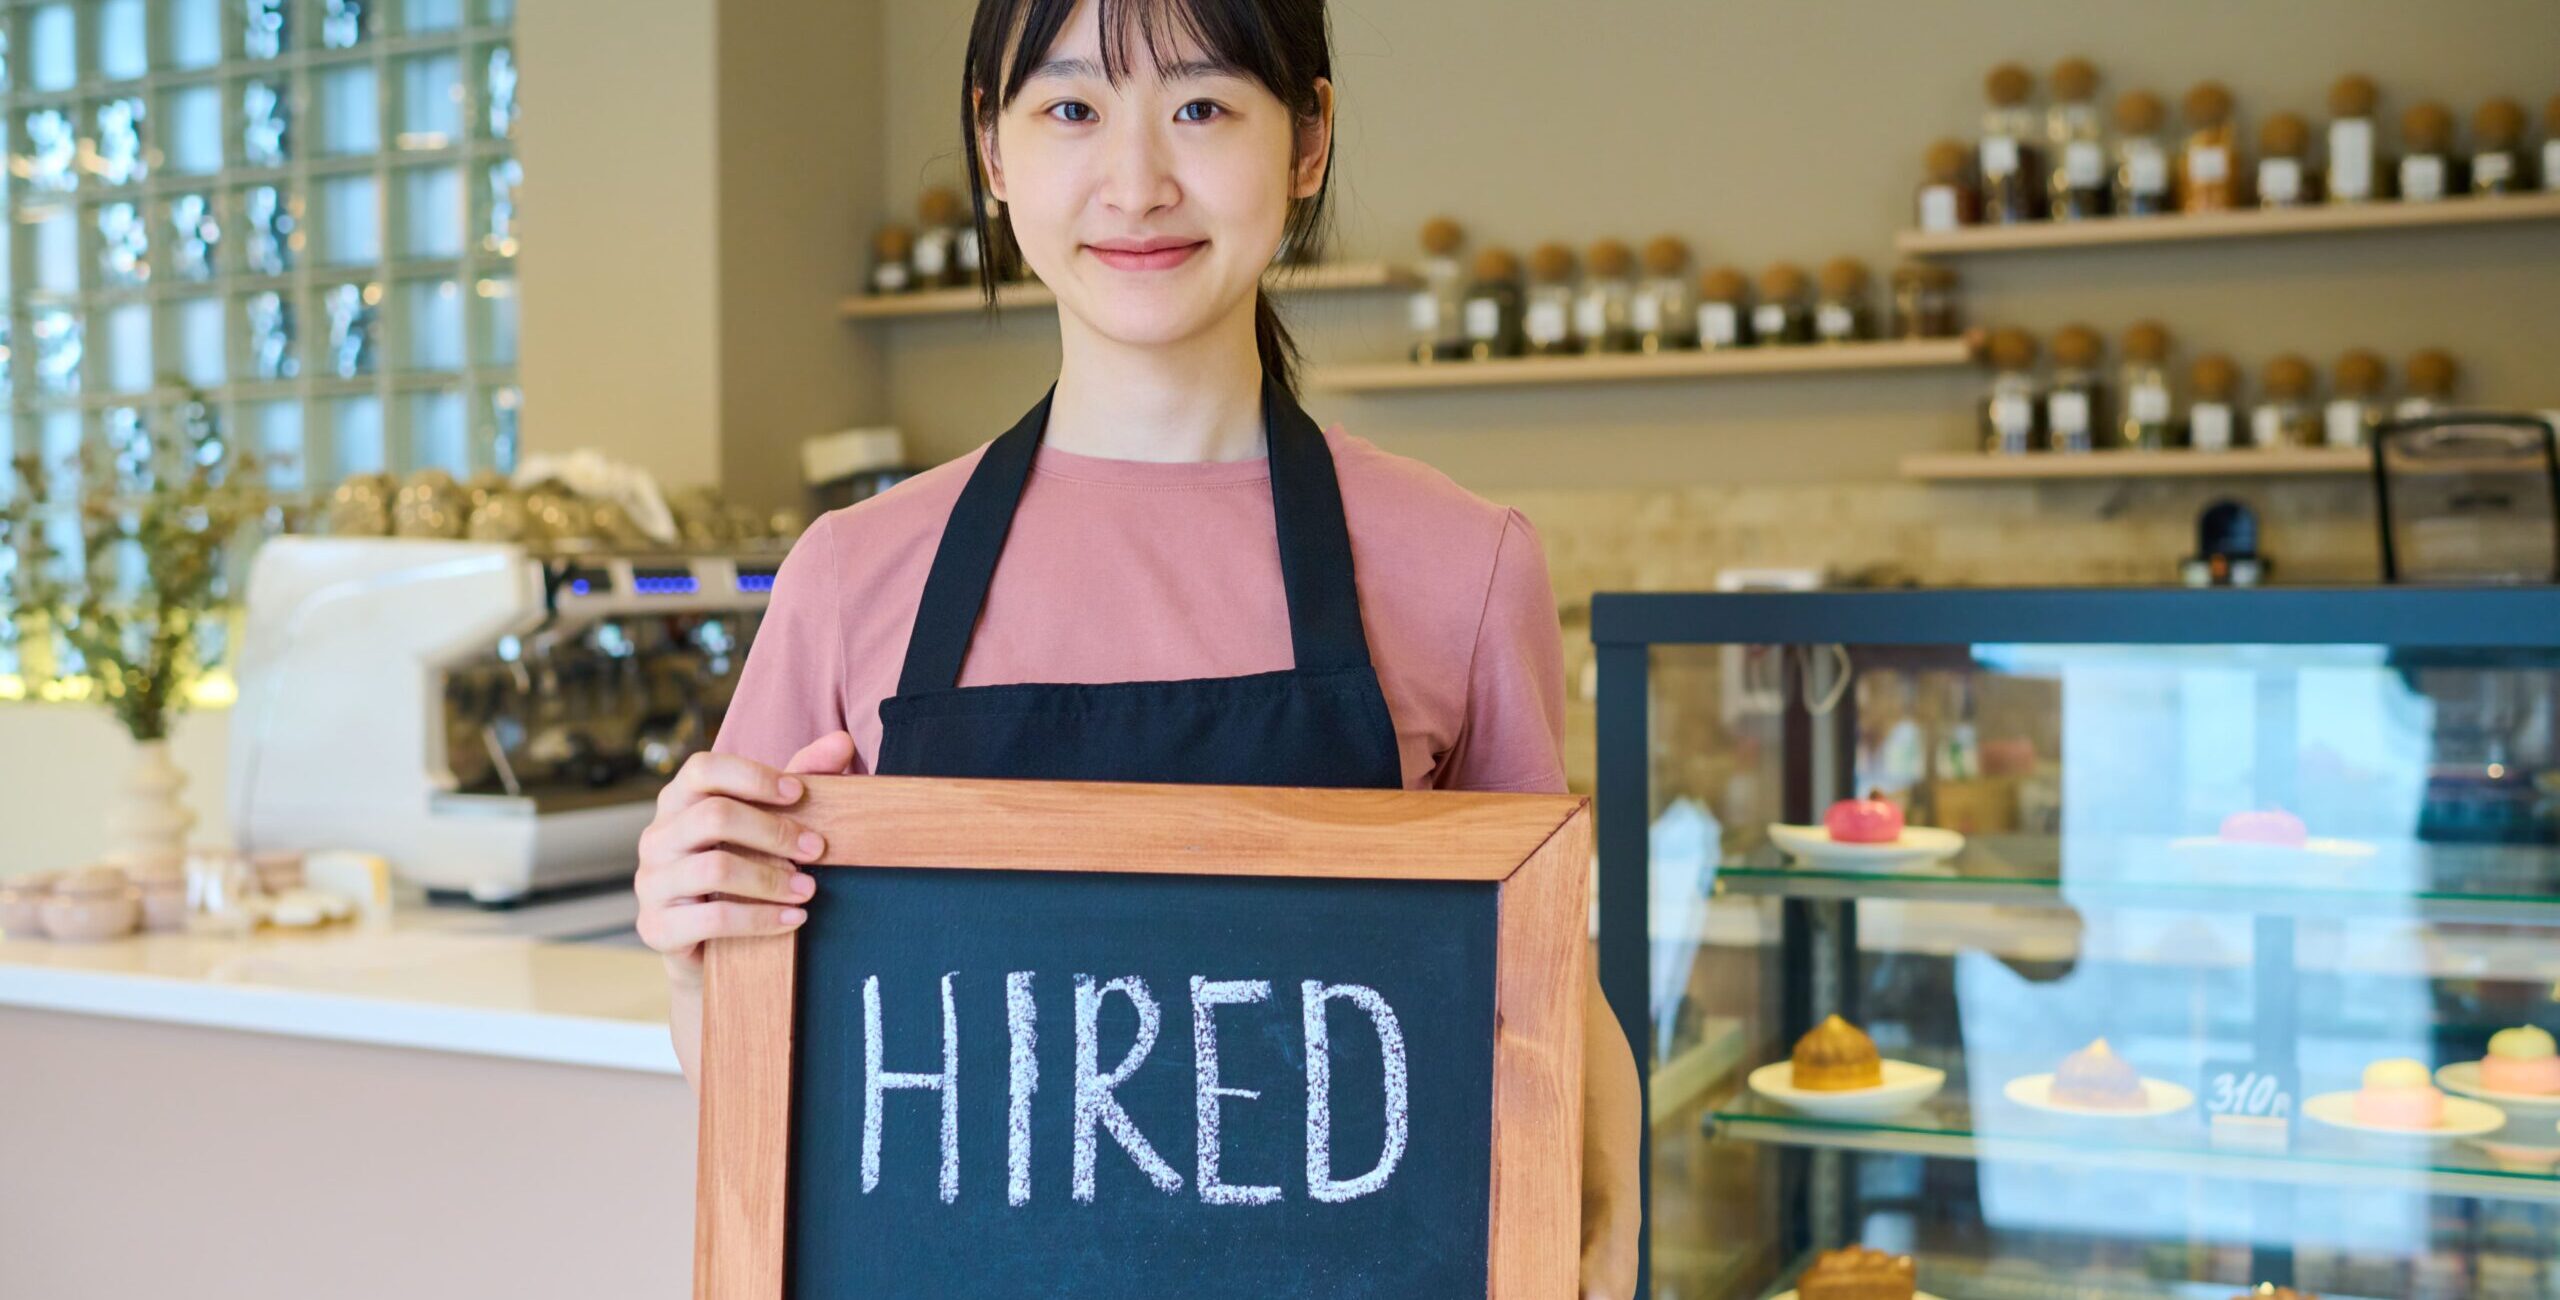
(1146, 254)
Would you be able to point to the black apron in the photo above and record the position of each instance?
(1322, 723)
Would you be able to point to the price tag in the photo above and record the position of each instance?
(2249, 1108)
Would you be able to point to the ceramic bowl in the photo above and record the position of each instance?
(91, 904)
(22, 904)
(163, 891)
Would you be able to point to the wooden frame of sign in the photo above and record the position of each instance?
(1538, 847)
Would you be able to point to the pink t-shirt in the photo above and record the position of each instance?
(1119, 570)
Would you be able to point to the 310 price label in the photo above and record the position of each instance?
(2249, 1108)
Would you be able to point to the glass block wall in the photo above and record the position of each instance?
(304, 210)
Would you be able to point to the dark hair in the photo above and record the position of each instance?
(1282, 44)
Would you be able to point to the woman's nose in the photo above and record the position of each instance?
(1138, 177)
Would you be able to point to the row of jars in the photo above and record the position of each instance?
(939, 251)
(429, 503)
(2057, 163)
(1610, 300)
(2083, 404)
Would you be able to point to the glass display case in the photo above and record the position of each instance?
(2179, 942)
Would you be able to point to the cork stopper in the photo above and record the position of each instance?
(938, 206)
(2214, 378)
(1665, 255)
(2009, 85)
(2358, 374)
(893, 242)
(2074, 81)
(2431, 374)
(2139, 112)
(2354, 95)
(2147, 341)
(1550, 263)
(1441, 236)
(2207, 105)
(2427, 128)
(1844, 277)
(1609, 259)
(2011, 348)
(2287, 376)
(1724, 284)
(2498, 124)
(2077, 346)
(1497, 264)
(1946, 160)
(1782, 281)
(2284, 135)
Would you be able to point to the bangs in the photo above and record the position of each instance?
(1236, 37)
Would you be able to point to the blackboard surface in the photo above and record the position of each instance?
(1427, 950)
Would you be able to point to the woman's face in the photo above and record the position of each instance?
(1151, 207)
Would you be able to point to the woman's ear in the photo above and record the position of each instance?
(987, 156)
(1315, 145)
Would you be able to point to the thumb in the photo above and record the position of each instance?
(828, 755)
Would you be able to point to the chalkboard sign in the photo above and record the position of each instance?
(1073, 1039)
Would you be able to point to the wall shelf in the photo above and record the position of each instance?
(1327, 277)
(1399, 376)
(2297, 462)
(2250, 223)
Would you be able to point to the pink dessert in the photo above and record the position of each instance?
(2399, 1094)
(2273, 826)
(1863, 821)
(2521, 1060)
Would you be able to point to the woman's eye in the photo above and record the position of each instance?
(1071, 111)
(1207, 111)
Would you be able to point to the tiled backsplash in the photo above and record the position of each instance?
(2005, 534)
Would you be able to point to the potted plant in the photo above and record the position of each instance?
(117, 560)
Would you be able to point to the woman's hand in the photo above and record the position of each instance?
(717, 861)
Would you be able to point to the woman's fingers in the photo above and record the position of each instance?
(719, 821)
(720, 872)
(709, 774)
(683, 927)
(828, 755)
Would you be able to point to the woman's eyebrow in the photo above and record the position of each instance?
(1081, 67)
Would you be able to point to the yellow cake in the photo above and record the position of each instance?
(1837, 1057)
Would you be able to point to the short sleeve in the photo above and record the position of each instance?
(1513, 735)
(791, 691)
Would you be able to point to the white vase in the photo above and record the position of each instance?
(147, 828)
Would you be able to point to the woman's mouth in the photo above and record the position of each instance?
(1144, 257)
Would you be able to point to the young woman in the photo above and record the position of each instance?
(1152, 576)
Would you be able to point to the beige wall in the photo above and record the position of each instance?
(1766, 129)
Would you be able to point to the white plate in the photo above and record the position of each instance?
(1919, 847)
(2035, 1092)
(2463, 1118)
(1791, 1295)
(2464, 1077)
(1905, 1086)
(2315, 854)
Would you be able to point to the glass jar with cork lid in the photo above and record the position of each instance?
(2282, 417)
(2009, 409)
(1840, 314)
(2149, 419)
(2357, 171)
(937, 252)
(2497, 148)
(2143, 176)
(2354, 411)
(1547, 325)
(2215, 381)
(2428, 169)
(1782, 316)
(891, 270)
(1604, 311)
(2431, 376)
(1491, 311)
(1724, 309)
(2209, 164)
(1433, 315)
(2551, 145)
(2282, 180)
(1666, 312)
(1947, 199)
(2075, 404)
(1924, 302)
(2010, 159)
(2079, 186)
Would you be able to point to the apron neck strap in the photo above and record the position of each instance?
(1325, 631)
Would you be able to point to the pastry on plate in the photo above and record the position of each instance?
(2272, 826)
(2521, 1060)
(2270, 1291)
(2096, 1078)
(1858, 1273)
(2399, 1094)
(1863, 821)
(1837, 1057)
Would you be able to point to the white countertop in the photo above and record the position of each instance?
(449, 982)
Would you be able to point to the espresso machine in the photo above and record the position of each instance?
(494, 719)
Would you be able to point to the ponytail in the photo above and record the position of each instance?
(1271, 339)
